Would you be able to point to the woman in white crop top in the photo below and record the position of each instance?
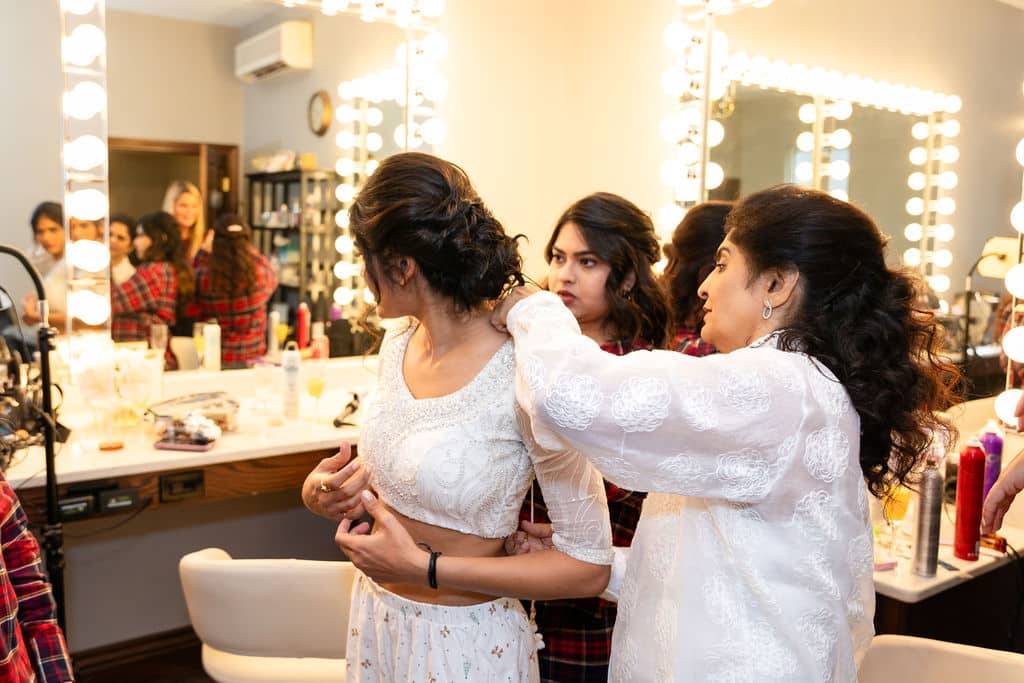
(443, 446)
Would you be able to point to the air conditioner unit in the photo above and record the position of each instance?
(285, 48)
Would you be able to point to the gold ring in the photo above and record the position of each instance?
(323, 485)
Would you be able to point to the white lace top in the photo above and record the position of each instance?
(461, 461)
(753, 557)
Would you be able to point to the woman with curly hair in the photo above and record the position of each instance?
(443, 448)
(234, 282)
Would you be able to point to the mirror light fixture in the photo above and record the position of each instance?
(1013, 339)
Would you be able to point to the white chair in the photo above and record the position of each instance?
(903, 658)
(268, 621)
(184, 349)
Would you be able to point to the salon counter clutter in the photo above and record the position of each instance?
(265, 453)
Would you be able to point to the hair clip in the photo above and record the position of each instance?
(235, 227)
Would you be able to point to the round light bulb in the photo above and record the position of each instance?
(912, 257)
(841, 110)
(89, 255)
(432, 8)
(676, 36)
(688, 190)
(948, 180)
(1015, 281)
(804, 172)
(1006, 405)
(374, 116)
(1020, 152)
(84, 45)
(950, 128)
(89, 307)
(918, 156)
(716, 133)
(85, 153)
(85, 100)
(945, 206)
(88, 205)
(672, 172)
(939, 283)
(371, 166)
(943, 258)
(435, 46)
(953, 104)
(673, 128)
(715, 175)
(920, 130)
(950, 154)
(346, 113)
(345, 192)
(688, 153)
(669, 217)
(1013, 344)
(944, 232)
(347, 90)
(808, 113)
(342, 220)
(839, 169)
(433, 131)
(916, 180)
(805, 141)
(913, 232)
(344, 245)
(374, 142)
(368, 297)
(841, 138)
(1017, 217)
(674, 82)
(345, 269)
(78, 7)
(345, 166)
(915, 206)
(345, 139)
(343, 296)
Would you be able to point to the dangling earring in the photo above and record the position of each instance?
(766, 312)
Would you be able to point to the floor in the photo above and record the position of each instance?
(178, 667)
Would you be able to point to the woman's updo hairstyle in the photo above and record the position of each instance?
(857, 317)
(422, 207)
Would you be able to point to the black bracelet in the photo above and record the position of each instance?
(432, 569)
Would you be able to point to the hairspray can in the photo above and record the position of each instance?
(992, 444)
(969, 482)
(291, 359)
(302, 321)
(929, 512)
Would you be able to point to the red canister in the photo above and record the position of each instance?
(970, 479)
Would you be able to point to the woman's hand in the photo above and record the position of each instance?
(505, 305)
(332, 489)
(532, 537)
(30, 309)
(389, 555)
(1001, 495)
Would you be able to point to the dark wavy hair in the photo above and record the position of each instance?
(691, 258)
(166, 246)
(232, 269)
(623, 236)
(858, 318)
(51, 210)
(422, 207)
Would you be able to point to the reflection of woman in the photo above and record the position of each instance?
(691, 258)
(753, 557)
(445, 451)
(184, 201)
(161, 279)
(233, 284)
(121, 267)
(600, 263)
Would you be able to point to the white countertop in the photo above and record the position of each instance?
(258, 434)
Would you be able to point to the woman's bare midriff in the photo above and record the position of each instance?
(447, 542)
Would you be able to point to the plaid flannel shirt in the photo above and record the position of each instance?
(147, 297)
(33, 647)
(242, 319)
(688, 341)
(578, 633)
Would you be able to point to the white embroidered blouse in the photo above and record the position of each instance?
(753, 557)
(463, 462)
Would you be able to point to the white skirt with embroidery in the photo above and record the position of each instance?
(393, 639)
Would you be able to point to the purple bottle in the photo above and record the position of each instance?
(992, 444)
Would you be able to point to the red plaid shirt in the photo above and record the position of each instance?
(689, 341)
(147, 297)
(578, 633)
(242, 319)
(33, 647)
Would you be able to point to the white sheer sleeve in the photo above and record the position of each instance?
(659, 420)
(574, 494)
(614, 588)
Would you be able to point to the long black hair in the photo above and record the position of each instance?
(691, 258)
(856, 316)
(166, 246)
(623, 236)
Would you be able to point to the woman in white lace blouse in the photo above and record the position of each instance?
(442, 446)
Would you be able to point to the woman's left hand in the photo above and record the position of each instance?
(500, 314)
(389, 555)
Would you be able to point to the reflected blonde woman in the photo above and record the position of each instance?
(184, 201)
